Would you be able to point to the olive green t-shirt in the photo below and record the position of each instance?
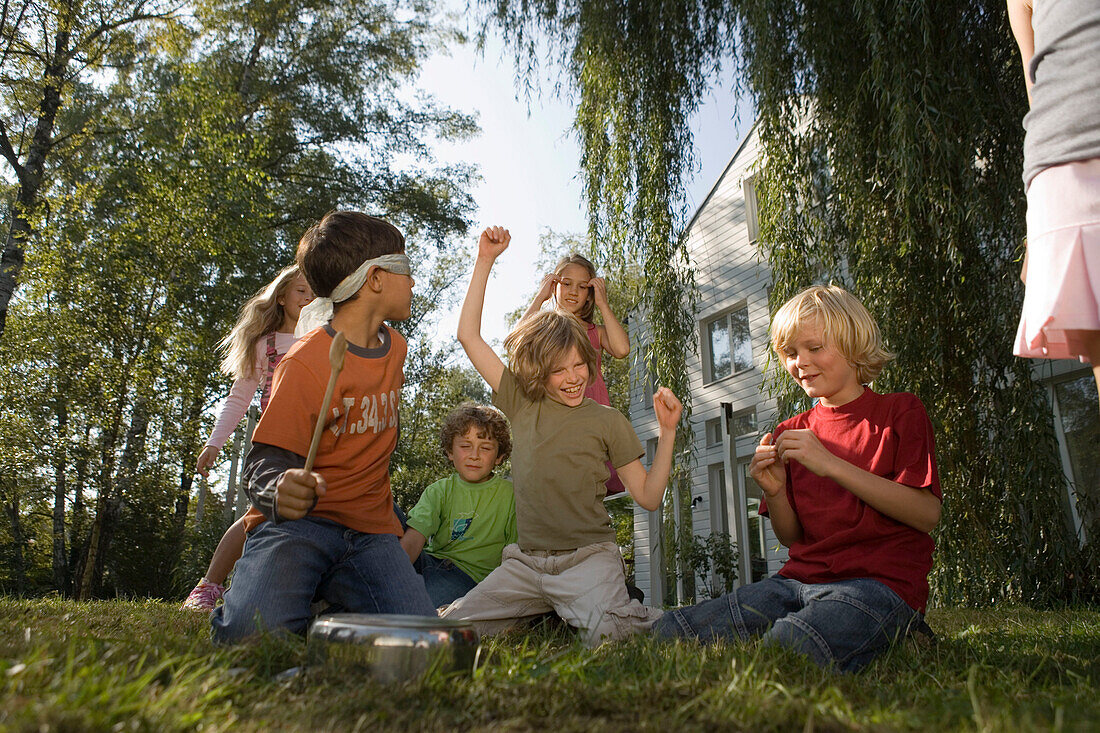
(559, 466)
(468, 524)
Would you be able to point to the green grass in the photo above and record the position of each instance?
(146, 666)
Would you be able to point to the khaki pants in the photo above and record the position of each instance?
(586, 587)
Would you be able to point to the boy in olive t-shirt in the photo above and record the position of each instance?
(461, 523)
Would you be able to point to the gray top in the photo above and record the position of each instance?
(1064, 122)
(559, 466)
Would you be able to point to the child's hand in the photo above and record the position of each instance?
(668, 409)
(206, 460)
(546, 289)
(297, 491)
(494, 240)
(804, 447)
(599, 292)
(766, 469)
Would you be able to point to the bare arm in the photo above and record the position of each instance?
(613, 336)
(917, 507)
(771, 476)
(648, 488)
(1019, 18)
(412, 542)
(493, 241)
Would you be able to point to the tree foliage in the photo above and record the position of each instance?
(45, 49)
(193, 166)
(640, 69)
(892, 143)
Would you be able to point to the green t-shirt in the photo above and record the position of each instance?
(559, 466)
(468, 524)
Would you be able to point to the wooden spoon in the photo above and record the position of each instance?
(336, 354)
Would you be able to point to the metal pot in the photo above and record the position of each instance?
(391, 647)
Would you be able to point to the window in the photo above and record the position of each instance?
(650, 451)
(729, 349)
(719, 513)
(743, 423)
(1081, 431)
(758, 553)
(740, 423)
(649, 378)
(748, 187)
(714, 432)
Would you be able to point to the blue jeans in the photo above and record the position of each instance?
(445, 581)
(286, 566)
(847, 623)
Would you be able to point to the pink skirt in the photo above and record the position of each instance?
(1063, 265)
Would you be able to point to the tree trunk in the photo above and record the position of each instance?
(60, 490)
(19, 569)
(29, 174)
(89, 575)
(132, 455)
(191, 418)
(77, 544)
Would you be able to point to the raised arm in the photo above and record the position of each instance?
(648, 488)
(493, 241)
(613, 336)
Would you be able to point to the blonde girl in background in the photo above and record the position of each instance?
(263, 334)
(575, 289)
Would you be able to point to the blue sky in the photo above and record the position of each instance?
(529, 161)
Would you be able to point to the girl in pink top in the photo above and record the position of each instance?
(263, 334)
(576, 289)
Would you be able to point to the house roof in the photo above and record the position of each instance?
(718, 182)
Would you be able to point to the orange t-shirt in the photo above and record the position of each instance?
(360, 430)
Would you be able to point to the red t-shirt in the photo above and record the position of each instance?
(360, 431)
(842, 537)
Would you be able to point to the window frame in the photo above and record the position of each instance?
(707, 355)
(749, 412)
(752, 211)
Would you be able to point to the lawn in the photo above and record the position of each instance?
(146, 666)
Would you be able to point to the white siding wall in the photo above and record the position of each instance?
(728, 272)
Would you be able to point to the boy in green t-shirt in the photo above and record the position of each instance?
(457, 530)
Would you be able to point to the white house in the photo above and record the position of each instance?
(731, 412)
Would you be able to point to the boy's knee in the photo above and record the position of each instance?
(224, 632)
(792, 632)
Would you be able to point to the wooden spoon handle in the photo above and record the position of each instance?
(336, 364)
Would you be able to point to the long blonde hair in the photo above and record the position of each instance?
(539, 342)
(589, 306)
(261, 315)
